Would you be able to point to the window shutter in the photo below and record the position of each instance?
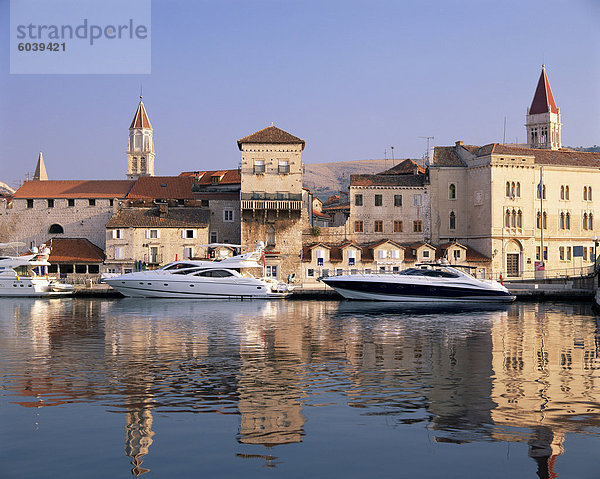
(147, 234)
(183, 234)
(194, 234)
(114, 234)
(157, 234)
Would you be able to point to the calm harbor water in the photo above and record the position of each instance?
(160, 388)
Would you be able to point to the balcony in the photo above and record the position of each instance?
(272, 201)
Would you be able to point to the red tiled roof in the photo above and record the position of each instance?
(75, 189)
(271, 135)
(75, 250)
(446, 156)
(162, 187)
(344, 207)
(543, 100)
(140, 119)
(151, 217)
(204, 177)
(331, 200)
(320, 215)
(405, 167)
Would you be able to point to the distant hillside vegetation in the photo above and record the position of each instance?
(326, 179)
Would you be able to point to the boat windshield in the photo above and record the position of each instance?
(174, 266)
(431, 273)
(215, 273)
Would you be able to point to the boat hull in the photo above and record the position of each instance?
(167, 288)
(32, 287)
(415, 292)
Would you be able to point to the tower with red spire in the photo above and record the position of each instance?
(543, 117)
(140, 148)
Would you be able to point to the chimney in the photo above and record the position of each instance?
(459, 143)
(163, 210)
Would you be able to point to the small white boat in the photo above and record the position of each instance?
(425, 283)
(230, 278)
(27, 275)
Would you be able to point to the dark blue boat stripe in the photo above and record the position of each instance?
(416, 290)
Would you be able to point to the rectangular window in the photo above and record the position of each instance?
(66, 268)
(545, 253)
(310, 272)
(426, 254)
(358, 200)
(351, 261)
(80, 268)
(188, 234)
(378, 226)
(213, 237)
(284, 167)
(204, 203)
(358, 226)
(70, 203)
(397, 226)
(568, 253)
(259, 166)
(417, 226)
(537, 253)
(456, 254)
(271, 271)
(50, 203)
(397, 200)
(117, 234)
(561, 253)
(382, 254)
(378, 200)
(188, 252)
(92, 202)
(228, 216)
(417, 200)
(585, 253)
(119, 252)
(93, 268)
(29, 203)
(152, 234)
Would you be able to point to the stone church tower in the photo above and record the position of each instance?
(271, 198)
(543, 117)
(140, 148)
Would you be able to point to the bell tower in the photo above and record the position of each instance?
(140, 147)
(543, 117)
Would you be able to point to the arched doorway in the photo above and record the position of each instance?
(56, 229)
(514, 255)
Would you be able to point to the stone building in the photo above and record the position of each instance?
(271, 198)
(154, 236)
(384, 256)
(527, 208)
(392, 205)
(75, 259)
(62, 209)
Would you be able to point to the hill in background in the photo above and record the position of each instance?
(326, 179)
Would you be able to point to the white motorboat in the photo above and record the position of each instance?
(425, 283)
(229, 278)
(27, 275)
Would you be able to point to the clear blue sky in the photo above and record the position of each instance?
(352, 78)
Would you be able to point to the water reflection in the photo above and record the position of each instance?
(527, 373)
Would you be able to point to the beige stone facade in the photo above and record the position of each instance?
(154, 236)
(271, 198)
(493, 193)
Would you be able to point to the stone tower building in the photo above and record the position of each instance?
(140, 148)
(543, 117)
(271, 198)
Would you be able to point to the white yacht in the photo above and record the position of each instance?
(433, 283)
(229, 278)
(27, 275)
